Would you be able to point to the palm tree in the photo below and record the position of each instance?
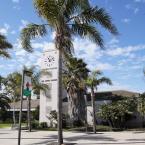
(4, 101)
(67, 18)
(36, 87)
(141, 107)
(92, 82)
(73, 78)
(4, 45)
(1, 82)
(13, 85)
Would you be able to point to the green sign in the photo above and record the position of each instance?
(27, 86)
(27, 92)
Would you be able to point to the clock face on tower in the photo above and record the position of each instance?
(49, 61)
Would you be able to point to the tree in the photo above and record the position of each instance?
(4, 45)
(92, 82)
(73, 77)
(4, 105)
(4, 101)
(117, 112)
(1, 82)
(36, 87)
(12, 85)
(53, 118)
(141, 106)
(67, 18)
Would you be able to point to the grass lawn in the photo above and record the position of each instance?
(5, 125)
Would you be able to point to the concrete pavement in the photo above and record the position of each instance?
(9, 137)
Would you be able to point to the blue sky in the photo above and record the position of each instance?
(122, 61)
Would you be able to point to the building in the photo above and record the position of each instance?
(48, 100)
(101, 98)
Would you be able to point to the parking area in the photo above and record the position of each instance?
(9, 137)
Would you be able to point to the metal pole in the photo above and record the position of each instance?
(20, 114)
(29, 73)
(29, 113)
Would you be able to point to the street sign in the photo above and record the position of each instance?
(27, 85)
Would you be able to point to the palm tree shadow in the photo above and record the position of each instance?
(87, 137)
(51, 140)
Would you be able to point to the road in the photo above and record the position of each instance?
(9, 137)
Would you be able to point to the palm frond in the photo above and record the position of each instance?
(97, 15)
(47, 9)
(96, 73)
(88, 31)
(4, 101)
(4, 54)
(29, 32)
(4, 44)
(94, 79)
(71, 6)
(104, 80)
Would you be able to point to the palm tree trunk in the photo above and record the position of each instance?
(86, 118)
(59, 115)
(94, 109)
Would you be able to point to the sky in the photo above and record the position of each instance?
(122, 60)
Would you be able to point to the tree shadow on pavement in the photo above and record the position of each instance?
(51, 138)
(138, 132)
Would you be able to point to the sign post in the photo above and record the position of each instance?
(20, 113)
(26, 89)
(27, 93)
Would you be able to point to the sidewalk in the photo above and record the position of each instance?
(9, 137)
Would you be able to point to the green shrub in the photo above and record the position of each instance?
(35, 114)
(117, 129)
(43, 125)
(78, 123)
(35, 124)
(103, 128)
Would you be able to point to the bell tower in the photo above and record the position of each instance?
(48, 99)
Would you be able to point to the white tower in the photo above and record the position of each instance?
(48, 101)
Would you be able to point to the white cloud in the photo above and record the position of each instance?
(128, 6)
(23, 24)
(126, 20)
(113, 41)
(86, 49)
(136, 10)
(115, 86)
(4, 29)
(29, 59)
(124, 51)
(20, 53)
(138, 1)
(132, 8)
(17, 7)
(53, 35)
(15, 1)
(101, 66)
(13, 32)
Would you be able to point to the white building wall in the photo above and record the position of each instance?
(90, 110)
